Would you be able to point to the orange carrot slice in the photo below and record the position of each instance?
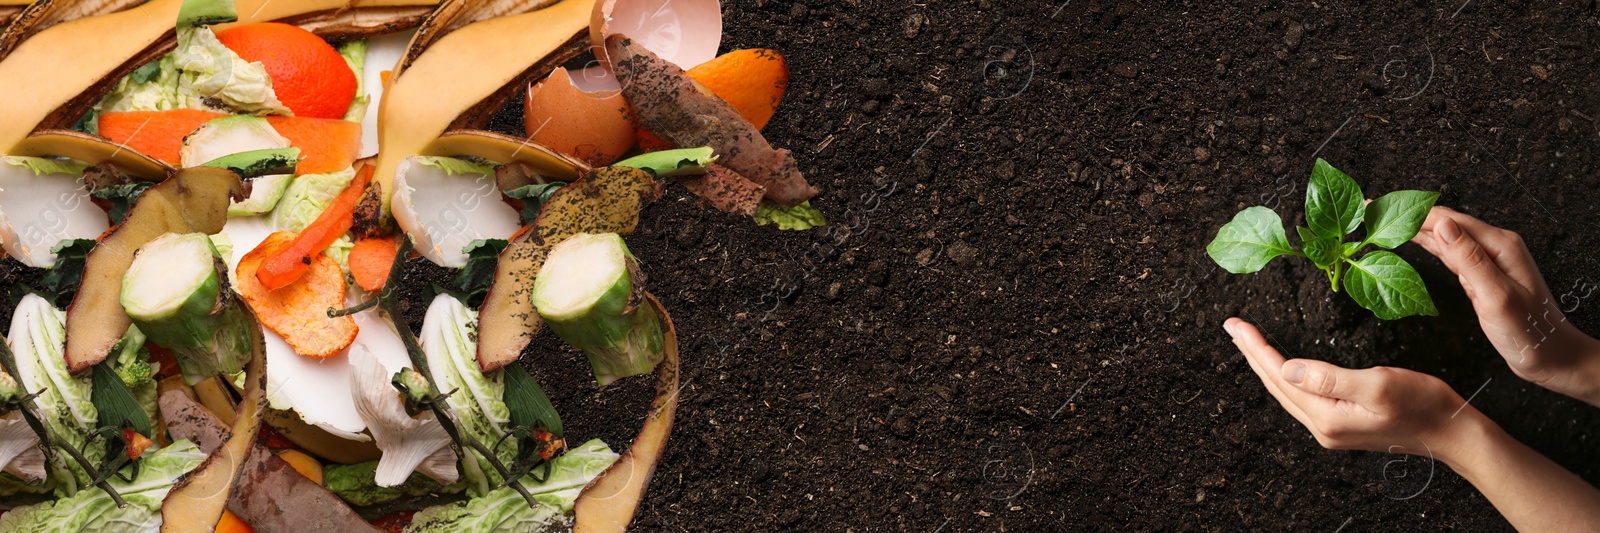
(752, 80)
(231, 523)
(158, 134)
(370, 261)
(288, 264)
(326, 144)
(298, 312)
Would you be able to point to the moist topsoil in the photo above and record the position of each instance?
(1012, 323)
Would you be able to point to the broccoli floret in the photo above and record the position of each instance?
(137, 374)
(133, 364)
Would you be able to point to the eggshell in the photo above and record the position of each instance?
(39, 210)
(591, 122)
(443, 211)
(683, 32)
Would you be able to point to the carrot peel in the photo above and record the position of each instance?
(370, 261)
(290, 263)
(298, 312)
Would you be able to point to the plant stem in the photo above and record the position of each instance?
(8, 361)
(89, 467)
(389, 303)
(363, 306)
(469, 442)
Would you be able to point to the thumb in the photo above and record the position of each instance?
(1325, 379)
(1480, 276)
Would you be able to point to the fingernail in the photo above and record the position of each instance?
(1294, 372)
(1228, 327)
(1448, 231)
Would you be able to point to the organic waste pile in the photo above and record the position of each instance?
(218, 217)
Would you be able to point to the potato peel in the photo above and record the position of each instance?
(298, 312)
(607, 200)
(668, 104)
(193, 200)
(725, 190)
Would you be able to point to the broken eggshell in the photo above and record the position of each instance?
(41, 203)
(683, 32)
(576, 116)
(444, 204)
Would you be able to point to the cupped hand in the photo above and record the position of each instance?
(1514, 306)
(1379, 409)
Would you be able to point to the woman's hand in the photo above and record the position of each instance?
(1379, 409)
(1399, 411)
(1514, 305)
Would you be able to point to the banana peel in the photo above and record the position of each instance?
(85, 57)
(452, 15)
(446, 87)
(319, 442)
(213, 394)
(197, 500)
(507, 149)
(88, 54)
(17, 20)
(260, 486)
(22, 18)
(92, 149)
(609, 502)
(364, 22)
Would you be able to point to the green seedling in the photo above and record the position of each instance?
(1380, 281)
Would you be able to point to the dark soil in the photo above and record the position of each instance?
(1012, 324)
(16, 280)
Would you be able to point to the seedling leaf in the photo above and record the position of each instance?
(1395, 218)
(1252, 239)
(1333, 202)
(1385, 284)
(1380, 281)
(1324, 251)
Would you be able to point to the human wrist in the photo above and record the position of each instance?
(1468, 441)
(1588, 371)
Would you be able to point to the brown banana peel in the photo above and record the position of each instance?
(446, 86)
(86, 55)
(198, 498)
(609, 502)
(22, 19)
